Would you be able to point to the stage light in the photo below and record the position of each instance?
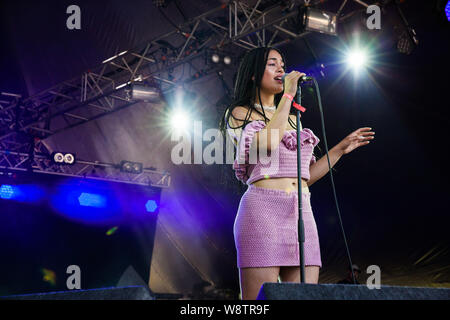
(227, 60)
(92, 200)
(69, 158)
(144, 93)
(23, 193)
(58, 157)
(63, 158)
(131, 167)
(319, 21)
(447, 10)
(151, 206)
(182, 105)
(357, 59)
(179, 120)
(6, 191)
(215, 58)
(219, 57)
(86, 201)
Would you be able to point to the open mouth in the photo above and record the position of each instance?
(278, 79)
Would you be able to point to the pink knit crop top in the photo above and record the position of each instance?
(281, 162)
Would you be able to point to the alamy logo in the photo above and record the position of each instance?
(374, 280)
(374, 20)
(248, 152)
(74, 280)
(74, 20)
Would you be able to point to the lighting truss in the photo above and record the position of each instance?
(102, 90)
(12, 161)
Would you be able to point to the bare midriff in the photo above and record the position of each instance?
(285, 184)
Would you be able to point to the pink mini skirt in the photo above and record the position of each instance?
(265, 229)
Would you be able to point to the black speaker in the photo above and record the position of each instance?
(113, 293)
(129, 287)
(306, 291)
(131, 278)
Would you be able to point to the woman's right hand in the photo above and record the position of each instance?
(291, 82)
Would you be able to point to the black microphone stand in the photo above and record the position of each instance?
(301, 229)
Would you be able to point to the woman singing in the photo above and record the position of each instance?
(265, 229)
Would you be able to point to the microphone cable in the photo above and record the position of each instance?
(319, 102)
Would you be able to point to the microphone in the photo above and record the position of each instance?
(298, 98)
(302, 79)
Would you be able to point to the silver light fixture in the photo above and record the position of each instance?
(131, 167)
(69, 158)
(320, 21)
(144, 93)
(63, 158)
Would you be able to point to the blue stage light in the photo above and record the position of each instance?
(447, 10)
(22, 193)
(151, 206)
(102, 203)
(90, 203)
(92, 200)
(7, 191)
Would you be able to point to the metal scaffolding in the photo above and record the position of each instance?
(21, 162)
(25, 123)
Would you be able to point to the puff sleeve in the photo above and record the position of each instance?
(313, 140)
(307, 138)
(242, 161)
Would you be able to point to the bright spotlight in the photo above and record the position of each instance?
(179, 120)
(357, 59)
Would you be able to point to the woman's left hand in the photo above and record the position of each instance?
(358, 138)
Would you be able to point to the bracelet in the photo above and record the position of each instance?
(296, 105)
(287, 95)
